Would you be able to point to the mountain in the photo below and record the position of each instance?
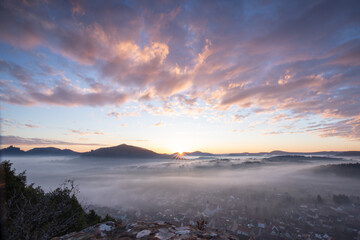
(137, 152)
(198, 153)
(245, 154)
(278, 152)
(123, 151)
(324, 153)
(349, 154)
(11, 150)
(350, 170)
(296, 158)
(48, 151)
(51, 151)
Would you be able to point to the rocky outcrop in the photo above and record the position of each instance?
(142, 230)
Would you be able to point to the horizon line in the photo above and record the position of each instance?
(264, 152)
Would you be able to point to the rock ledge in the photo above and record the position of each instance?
(144, 230)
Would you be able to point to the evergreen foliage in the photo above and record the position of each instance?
(33, 214)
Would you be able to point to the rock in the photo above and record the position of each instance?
(105, 227)
(164, 235)
(182, 230)
(98, 231)
(143, 233)
(145, 230)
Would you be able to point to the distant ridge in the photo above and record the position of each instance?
(244, 154)
(349, 153)
(278, 152)
(123, 151)
(11, 150)
(198, 153)
(51, 151)
(350, 170)
(48, 151)
(297, 158)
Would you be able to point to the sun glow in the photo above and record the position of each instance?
(179, 155)
(180, 149)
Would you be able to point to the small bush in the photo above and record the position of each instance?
(201, 223)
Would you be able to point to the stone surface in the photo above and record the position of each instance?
(143, 233)
(143, 230)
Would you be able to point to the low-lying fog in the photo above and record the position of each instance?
(141, 183)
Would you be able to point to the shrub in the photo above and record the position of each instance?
(34, 214)
(341, 199)
(201, 223)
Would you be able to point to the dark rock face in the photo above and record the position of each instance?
(141, 230)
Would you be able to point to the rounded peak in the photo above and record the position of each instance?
(122, 145)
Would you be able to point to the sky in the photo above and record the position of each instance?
(215, 76)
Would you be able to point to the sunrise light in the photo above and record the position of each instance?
(188, 119)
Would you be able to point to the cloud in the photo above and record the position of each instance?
(18, 72)
(349, 129)
(237, 130)
(87, 132)
(135, 140)
(296, 58)
(62, 95)
(121, 114)
(133, 66)
(16, 140)
(17, 124)
(77, 9)
(31, 126)
(158, 124)
(239, 117)
(267, 92)
(36, 27)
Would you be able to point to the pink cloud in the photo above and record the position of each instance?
(121, 114)
(16, 140)
(239, 117)
(299, 58)
(65, 96)
(158, 124)
(87, 132)
(31, 126)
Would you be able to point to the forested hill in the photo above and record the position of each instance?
(346, 169)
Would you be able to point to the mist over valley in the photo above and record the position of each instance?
(236, 189)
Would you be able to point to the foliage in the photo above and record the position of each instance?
(34, 214)
(319, 199)
(109, 218)
(287, 199)
(341, 199)
(201, 223)
(349, 170)
(92, 218)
